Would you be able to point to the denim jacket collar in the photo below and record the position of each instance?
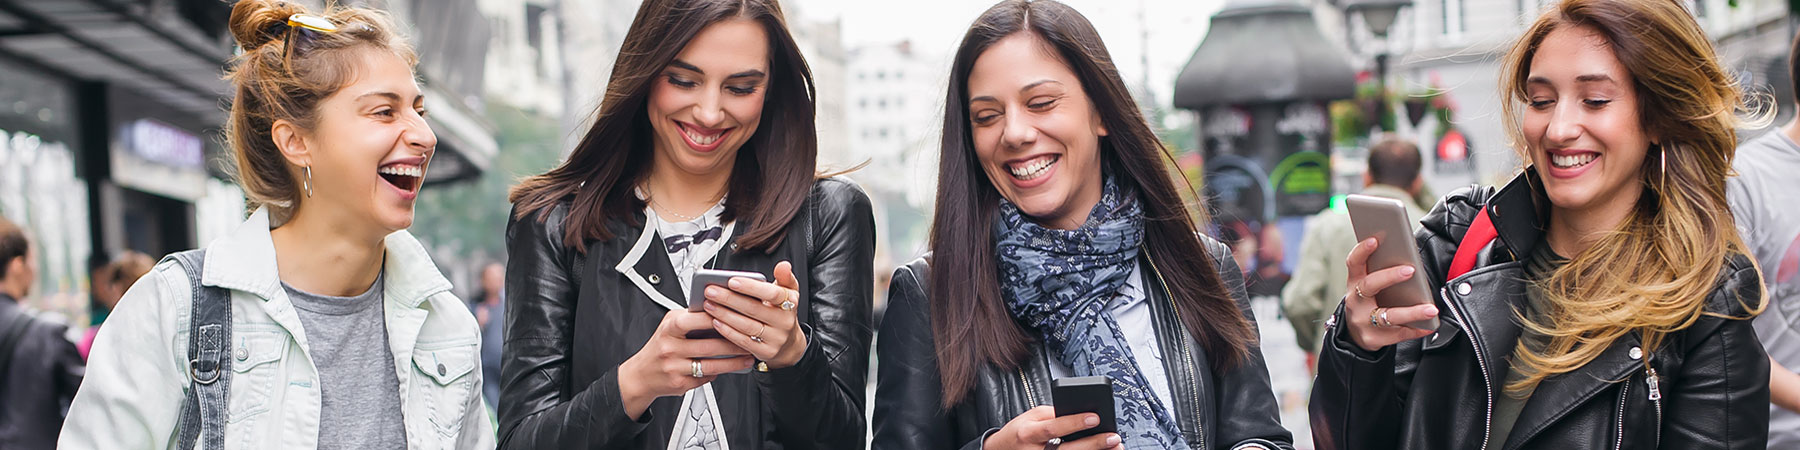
(245, 260)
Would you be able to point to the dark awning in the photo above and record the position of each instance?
(1263, 51)
(175, 53)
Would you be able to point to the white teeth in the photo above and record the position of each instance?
(702, 140)
(1032, 169)
(1572, 161)
(402, 170)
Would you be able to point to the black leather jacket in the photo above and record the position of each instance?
(39, 383)
(1438, 392)
(572, 318)
(1215, 410)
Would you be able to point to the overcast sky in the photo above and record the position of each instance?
(1174, 28)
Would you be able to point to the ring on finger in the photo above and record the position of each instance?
(758, 337)
(1053, 442)
(699, 371)
(1375, 316)
(1384, 319)
(1359, 292)
(788, 305)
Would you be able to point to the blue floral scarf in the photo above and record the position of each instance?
(1059, 282)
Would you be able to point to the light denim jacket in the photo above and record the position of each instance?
(137, 373)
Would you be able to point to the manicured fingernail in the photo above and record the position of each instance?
(1406, 271)
(714, 292)
(1432, 311)
(708, 305)
(735, 284)
(1091, 420)
(1112, 440)
(718, 324)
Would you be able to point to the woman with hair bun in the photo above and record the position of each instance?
(320, 322)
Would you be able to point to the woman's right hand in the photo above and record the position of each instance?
(1035, 428)
(1360, 308)
(665, 366)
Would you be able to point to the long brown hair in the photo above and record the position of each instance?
(970, 323)
(271, 83)
(767, 187)
(1653, 274)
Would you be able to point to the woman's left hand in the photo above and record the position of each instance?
(760, 316)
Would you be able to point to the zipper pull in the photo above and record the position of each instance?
(1655, 386)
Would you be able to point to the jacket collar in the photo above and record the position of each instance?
(652, 272)
(245, 260)
(1519, 214)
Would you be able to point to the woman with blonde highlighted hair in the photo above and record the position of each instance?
(1599, 300)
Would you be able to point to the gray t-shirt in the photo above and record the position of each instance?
(1760, 198)
(361, 393)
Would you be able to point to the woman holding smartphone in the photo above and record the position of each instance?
(1063, 249)
(338, 330)
(701, 157)
(1600, 299)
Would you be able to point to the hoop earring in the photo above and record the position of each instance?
(307, 183)
(1662, 159)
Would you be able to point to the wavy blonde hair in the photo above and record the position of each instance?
(1651, 275)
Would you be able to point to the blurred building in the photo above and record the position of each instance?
(110, 113)
(894, 102)
(1455, 46)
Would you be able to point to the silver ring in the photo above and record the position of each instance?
(699, 372)
(787, 305)
(1384, 319)
(758, 337)
(1053, 442)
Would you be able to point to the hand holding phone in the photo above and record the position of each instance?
(1385, 220)
(696, 299)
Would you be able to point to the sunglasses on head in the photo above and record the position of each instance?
(305, 26)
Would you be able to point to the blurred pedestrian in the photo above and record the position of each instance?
(1318, 281)
(40, 368)
(490, 312)
(110, 282)
(319, 322)
(1602, 298)
(1061, 248)
(1761, 197)
(703, 156)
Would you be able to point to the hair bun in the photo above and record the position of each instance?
(257, 22)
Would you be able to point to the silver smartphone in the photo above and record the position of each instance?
(697, 293)
(1385, 220)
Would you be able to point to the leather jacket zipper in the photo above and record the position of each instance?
(1624, 393)
(1655, 384)
(1486, 380)
(1031, 400)
(1187, 354)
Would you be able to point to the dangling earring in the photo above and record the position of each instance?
(307, 183)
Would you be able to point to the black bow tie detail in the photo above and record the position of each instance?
(681, 242)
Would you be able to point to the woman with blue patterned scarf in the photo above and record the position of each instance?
(1069, 252)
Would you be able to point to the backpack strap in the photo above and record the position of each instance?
(1480, 233)
(209, 337)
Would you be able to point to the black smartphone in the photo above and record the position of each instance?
(697, 293)
(1078, 395)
